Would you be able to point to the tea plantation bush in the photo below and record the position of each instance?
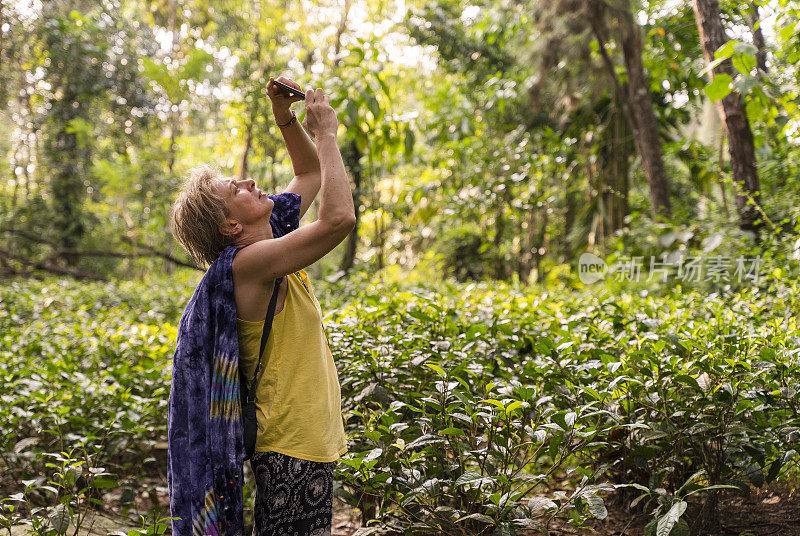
(469, 408)
(85, 372)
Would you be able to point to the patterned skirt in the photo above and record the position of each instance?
(294, 497)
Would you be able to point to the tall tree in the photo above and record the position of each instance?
(351, 155)
(637, 104)
(733, 115)
(754, 21)
(75, 71)
(615, 147)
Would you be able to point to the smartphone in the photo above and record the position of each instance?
(289, 89)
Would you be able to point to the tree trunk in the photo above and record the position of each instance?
(273, 180)
(2, 20)
(538, 243)
(173, 117)
(66, 185)
(378, 234)
(734, 118)
(352, 158)
(593, 194)
(499, 231)
(571, 201)
(248, 143)
(645, 127)
(15, 191)
(758, 37)
(22, 110)
(720, 166)
(636, 103)
(337, 47)
(502, 271)
(529, 257)
(615, 170)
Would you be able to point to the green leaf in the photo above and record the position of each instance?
(569, 418)
(691, 480)
(439, 370)
(104, 483)
(716, 486)
(471, 477)
(755, 109)
(744, 63)
(361, 141)
(745, 49)
(668, 520)
(195, 66)
(788, 31)
(713, 64)
(352, 111)
(719, 88)
(726, 50)
(688, 380)
(565, 420)
(373, 454)
(504, 529)
(512, 406)
(60, 518)
(597, 507)
(555, 443)
(384, 87)
(755, 474)
(373, 105)
(634, 486)
(681, 528)
(495, 403)
(591, 392)
(483, 518)
(366, 531)
(539, 503)
(408, 141)
(358, 52)
(419, 315)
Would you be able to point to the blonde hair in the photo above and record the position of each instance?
(197, 214)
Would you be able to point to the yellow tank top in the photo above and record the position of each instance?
(298, 401)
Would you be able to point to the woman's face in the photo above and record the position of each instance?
(247, 205)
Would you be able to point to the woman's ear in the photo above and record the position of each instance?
(232, 227)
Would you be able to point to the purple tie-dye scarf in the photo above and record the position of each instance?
(206, 449)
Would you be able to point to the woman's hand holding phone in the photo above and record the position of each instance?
(281, 98)
(320, 117)
(280, 95)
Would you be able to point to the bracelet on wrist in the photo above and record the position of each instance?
(292, 120)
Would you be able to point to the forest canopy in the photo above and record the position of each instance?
(495, 139)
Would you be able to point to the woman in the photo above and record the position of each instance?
(300, 429)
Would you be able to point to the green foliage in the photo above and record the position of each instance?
(468, 407)
(85, 381)
(471, 398)
(467, 253)
(516, 128)
(719, 87)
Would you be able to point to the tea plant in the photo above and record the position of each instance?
(468, 403)
(469, 409)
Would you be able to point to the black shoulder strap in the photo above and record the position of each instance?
(251, 395)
